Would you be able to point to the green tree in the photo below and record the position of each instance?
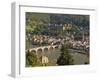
(31, 59)
(65, 57)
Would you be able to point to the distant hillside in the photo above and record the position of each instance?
(39, 20)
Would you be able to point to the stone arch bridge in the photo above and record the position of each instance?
(43, 48)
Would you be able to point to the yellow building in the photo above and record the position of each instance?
(67, 26)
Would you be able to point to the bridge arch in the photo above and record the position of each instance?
(45, 49)
(56, 47)
(51, 48)
(39, 50)
(33, 51)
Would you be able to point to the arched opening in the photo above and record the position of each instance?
(56, 47)
(45, 49)
(39, 53)
(39, 50)
(33, 51)
(51, 48)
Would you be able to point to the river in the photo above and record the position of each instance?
(79, 58)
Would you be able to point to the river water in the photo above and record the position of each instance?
(79, 58)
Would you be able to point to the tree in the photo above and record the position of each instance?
(31, 59)
(65, 57)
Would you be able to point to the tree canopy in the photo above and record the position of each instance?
(65, 57)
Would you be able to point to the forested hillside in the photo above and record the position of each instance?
(37, 21)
